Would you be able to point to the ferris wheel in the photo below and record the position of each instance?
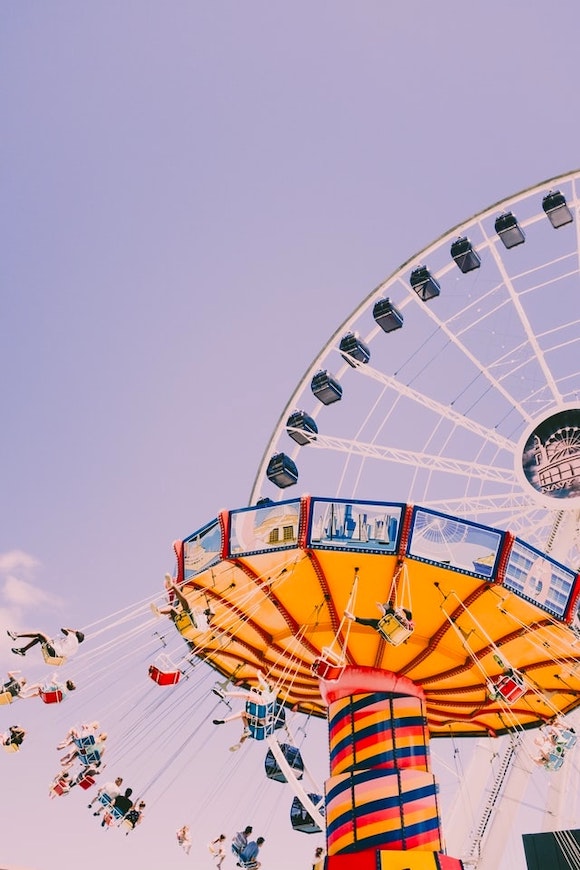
(455, 383)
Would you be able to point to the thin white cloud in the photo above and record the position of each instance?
(17, 560)
(20, 597)
(20, 593)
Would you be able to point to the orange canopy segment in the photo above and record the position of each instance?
(272, 589)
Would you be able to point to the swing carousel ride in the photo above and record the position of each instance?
(406, 568)
(423, 582)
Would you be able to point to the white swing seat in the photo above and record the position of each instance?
(331, 657)
(392, 628)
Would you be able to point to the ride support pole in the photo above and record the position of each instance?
(381, 797)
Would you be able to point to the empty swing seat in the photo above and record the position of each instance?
(51, 696)
(59, 788)
(163, 678)
(87, 781)
(330, 665)
(292, 756)
(325, 670)
(393, 629)
(163, 671)
(510, 687)
(300, 818)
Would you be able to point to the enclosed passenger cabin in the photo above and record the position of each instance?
(282, 470)
(387, 316)
(353, 349)
(292, 756)
(424, 284)
(326, 388)
(509, 230)
(300, 818)
(301, 427)
(465, 255)
(556, 208)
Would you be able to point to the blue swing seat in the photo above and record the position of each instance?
(264, 719)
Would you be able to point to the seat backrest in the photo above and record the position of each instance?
(393, 630)
(92, 757)
(84, 742)
(51, 659)
(51, 696)
(105, 799)
(86, 782)
(184, 621)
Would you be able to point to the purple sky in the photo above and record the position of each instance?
(194, 197)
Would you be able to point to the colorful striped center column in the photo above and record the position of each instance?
(381, 797)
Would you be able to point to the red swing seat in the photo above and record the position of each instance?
(164, 672)
(51, 696)
(86, 782)
(59, 788)
(510, 687)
